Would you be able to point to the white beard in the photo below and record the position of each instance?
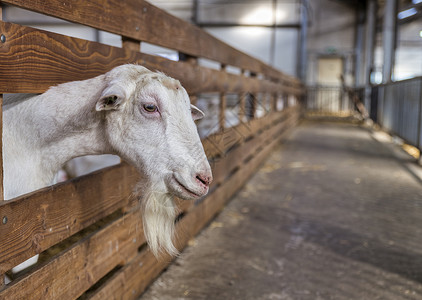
(158, 214)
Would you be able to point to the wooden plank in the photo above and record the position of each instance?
(142, 21)
(183, 205)
(29, 54)
(41, 219)
(219, 143)
(33, 60)
(132, 280)
(231, 185)
(224, 166)
(78, 268)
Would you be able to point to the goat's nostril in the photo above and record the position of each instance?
(203, 179)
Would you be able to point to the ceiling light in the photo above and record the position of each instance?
(407, 13)
(259, 15)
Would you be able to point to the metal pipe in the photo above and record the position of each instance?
(389, 38)
(273, 33)
(371, 23)
(302, 58)
(195, 9)
(371, 19)
(360, 22)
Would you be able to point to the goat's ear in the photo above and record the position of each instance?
(109, 102)
(197, 114)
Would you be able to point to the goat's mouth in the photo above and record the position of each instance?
(184, 192)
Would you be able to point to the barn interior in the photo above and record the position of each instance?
(335, 211)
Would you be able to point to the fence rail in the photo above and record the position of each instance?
(89, 230)
(141, 21)
(398, 109)
(328, 99)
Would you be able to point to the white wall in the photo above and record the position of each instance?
(331, 34)
(256, 42)
(409, 51)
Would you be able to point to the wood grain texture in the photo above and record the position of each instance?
(233, 159)
(33, 60)
(41, 219)
(218, 144)
(29, 54)
(75, 270)
(140, 20)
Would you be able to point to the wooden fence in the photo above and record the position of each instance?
(88, 231)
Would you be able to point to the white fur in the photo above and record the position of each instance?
(74, 119)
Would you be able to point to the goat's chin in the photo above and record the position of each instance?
(183, 195)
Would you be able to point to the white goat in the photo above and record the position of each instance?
(144, 117)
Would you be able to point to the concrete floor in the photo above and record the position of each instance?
(334, 213)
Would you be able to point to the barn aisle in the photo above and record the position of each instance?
(334, 213)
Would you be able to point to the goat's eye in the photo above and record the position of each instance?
(150, 108)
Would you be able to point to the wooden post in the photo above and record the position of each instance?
(268, 103)
(188, 58)
(275, 101)
(223, 103)
(193, 99)
(194, 61)
(254, 99)
(242, 111)
(131, 44)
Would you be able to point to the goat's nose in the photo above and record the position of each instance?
(205, 179)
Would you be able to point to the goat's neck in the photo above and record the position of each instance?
(50, 129)
(75, 126)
